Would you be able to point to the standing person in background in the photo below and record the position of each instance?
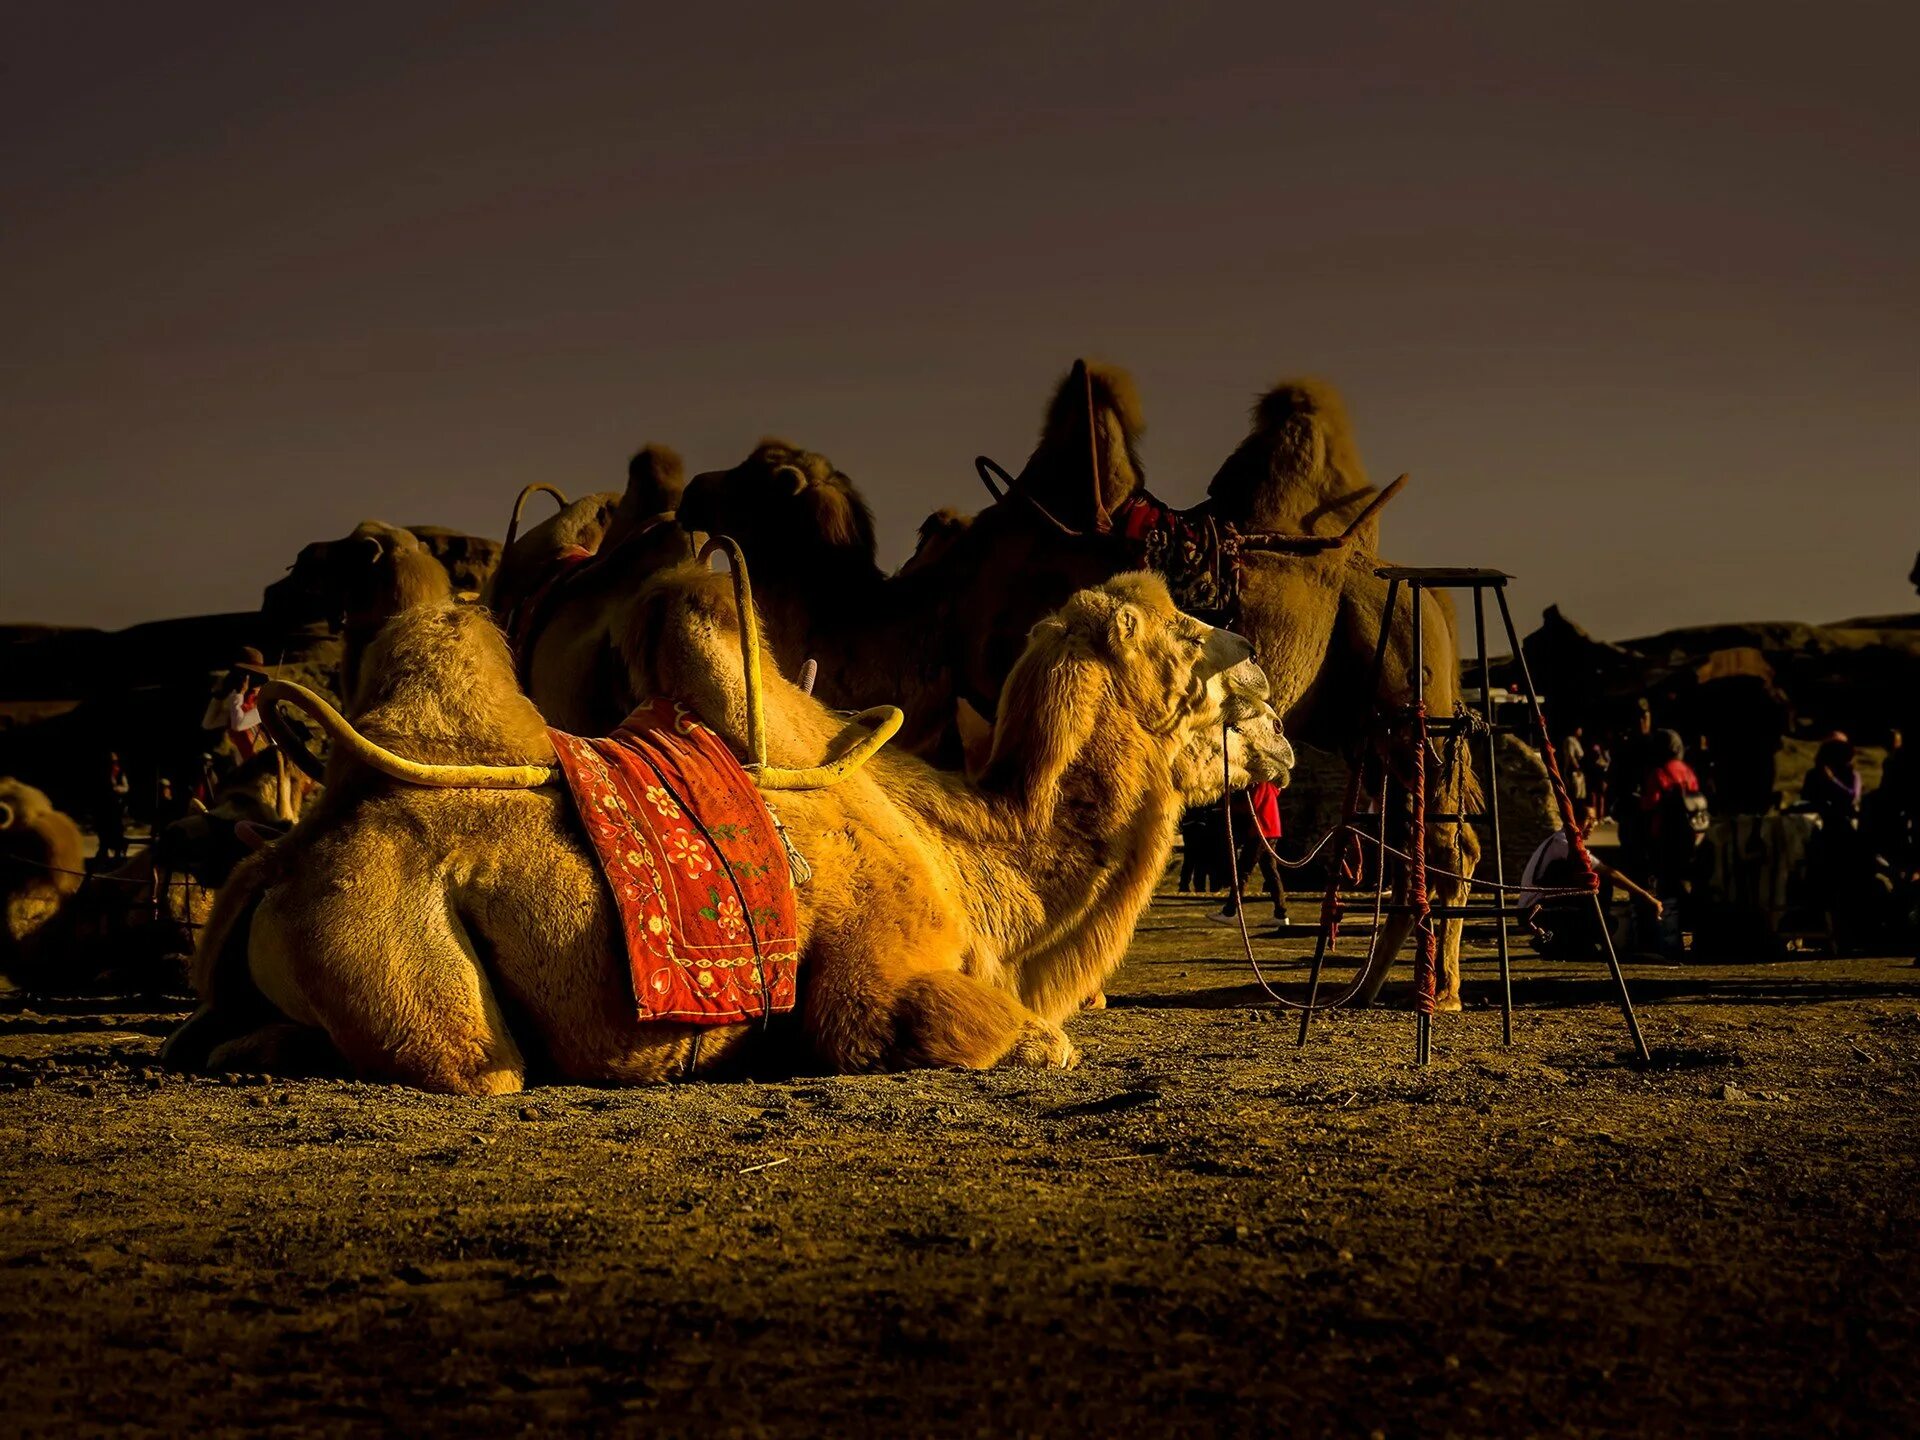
(1832, 787)
(243, 707)
(1599, 763)
(169, 804)
(1632, 758)
(1256, 824)
(110, 813)
(1672, 821)
(1573, 765)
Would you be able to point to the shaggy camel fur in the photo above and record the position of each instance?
(452, 938)
(42, 855)
(950, 625)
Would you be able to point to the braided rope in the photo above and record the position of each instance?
(1425, 961)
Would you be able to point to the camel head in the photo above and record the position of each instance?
(1093, 416)
(939, 533)
(791, 512)
(1122, 651)
(39, 845)
(358, 580)
(656, 480)
(1298, 471)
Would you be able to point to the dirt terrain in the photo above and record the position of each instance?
(1201, 1230)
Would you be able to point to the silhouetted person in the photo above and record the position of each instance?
(1573, 764)
(1832, 787)
(110, 811)
(1672, 819)
(169, 804)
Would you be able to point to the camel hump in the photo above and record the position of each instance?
(1299, 470)
(438, 686)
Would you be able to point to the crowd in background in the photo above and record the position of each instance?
(231, 733)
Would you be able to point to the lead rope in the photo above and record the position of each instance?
(1240, 909)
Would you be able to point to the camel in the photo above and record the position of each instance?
(449, 938)
(42, 857)
(136, 920)
(948, 627)
(567, 620)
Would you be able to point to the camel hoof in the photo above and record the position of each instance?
(1042, 1047)
(1095, 1001)
(1446, 1004)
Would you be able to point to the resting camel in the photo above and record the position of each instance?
(948, 627)
(569, 632)
(449, 938)
(42, 857)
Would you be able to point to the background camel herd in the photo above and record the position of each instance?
(584, 598)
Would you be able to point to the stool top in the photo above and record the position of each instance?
(1442, 575)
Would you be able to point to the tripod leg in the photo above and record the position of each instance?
(1619, 980)
(1313, 984)
(1493, 820)
(1566, 808)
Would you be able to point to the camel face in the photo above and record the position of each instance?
(1191, 682)
(333, 581)
(783, 501)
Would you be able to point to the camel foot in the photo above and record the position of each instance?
(1096, 1001)
(282, 1049)
(1042, 1047)
(1446, 1004)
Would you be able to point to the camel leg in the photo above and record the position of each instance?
(865, 1014)
(945, 1018)
(402, 996)
(1457, 849)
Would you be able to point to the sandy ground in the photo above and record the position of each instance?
(1202, 1230)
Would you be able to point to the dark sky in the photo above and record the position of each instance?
(1633, 292)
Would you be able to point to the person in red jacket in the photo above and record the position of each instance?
(1256, 825)
(1674, 817)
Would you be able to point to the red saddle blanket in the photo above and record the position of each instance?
(698, 871)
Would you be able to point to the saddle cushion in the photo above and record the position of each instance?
(696, 865)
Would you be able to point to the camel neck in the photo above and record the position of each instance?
(1053, 893)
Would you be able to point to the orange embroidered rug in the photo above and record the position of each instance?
(697, 869)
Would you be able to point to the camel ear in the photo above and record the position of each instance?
(793, 477)
(976, 737)
(1124, 628)
(367, 549)
(6, 810)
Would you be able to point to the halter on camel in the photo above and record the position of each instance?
(873, 728)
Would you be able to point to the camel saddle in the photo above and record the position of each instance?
(696, 863)
(1195, 553)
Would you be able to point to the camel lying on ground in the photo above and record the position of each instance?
(949, 626)
(447, 938)
(42, 857)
